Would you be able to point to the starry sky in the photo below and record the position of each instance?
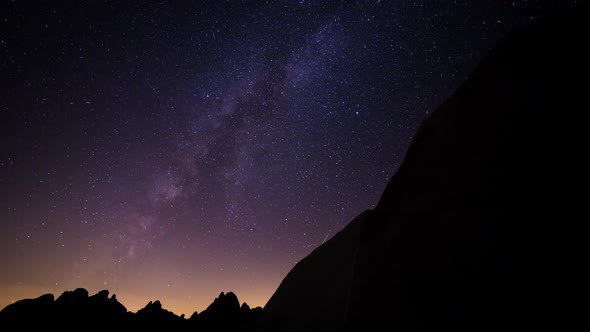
(173, 150)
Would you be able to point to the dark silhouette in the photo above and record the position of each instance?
(69, 309)
(225, 314)
(42, 308)
(153, 315)
(75, 309)
(467, 234)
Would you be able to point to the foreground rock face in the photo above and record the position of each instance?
(468, 234)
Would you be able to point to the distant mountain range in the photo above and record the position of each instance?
(470, 234)
(78, 309)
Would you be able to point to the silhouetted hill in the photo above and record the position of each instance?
(76, 310)
(225, 314)
(468, 233)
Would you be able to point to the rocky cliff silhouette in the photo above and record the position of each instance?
(76, 310)
(468, 233)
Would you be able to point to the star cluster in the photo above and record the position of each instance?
(173, 150)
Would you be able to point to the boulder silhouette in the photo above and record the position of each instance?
(79, 295)
(468, 234)
(153, 315)
(69, 310)
(76, 310)
(221, 315)
(105, 308)
(72, 305)
(225, 314)
(21, 311)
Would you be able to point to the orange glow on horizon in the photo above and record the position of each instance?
(181, 298)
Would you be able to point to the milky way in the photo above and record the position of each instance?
(172, 151)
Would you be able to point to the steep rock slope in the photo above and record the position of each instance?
(468, 233)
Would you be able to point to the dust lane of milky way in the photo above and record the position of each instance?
(174, 150)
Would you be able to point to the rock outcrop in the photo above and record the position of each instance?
(468, 234)
(76, 310)
(225, 314)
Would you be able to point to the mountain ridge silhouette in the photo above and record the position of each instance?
(76, 307)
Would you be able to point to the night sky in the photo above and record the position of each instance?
(174, 150)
